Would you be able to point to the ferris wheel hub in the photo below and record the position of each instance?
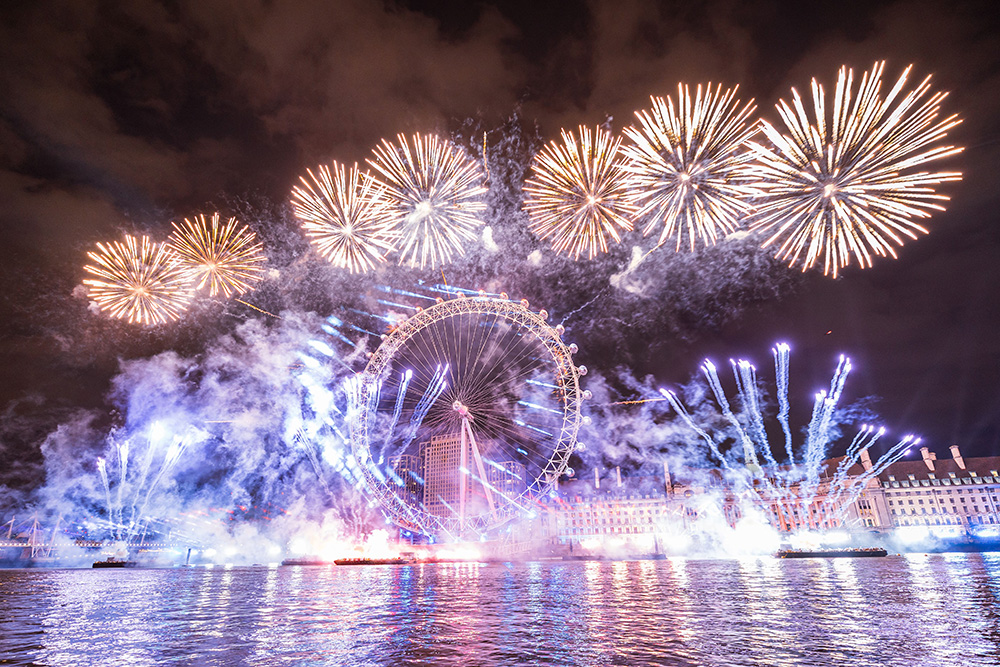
(462, 410)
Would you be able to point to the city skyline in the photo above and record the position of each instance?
(152, 132)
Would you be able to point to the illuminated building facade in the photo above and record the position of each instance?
(943, 492)
(438, 484)
(957, 492)
(408, 479)
(442, 457)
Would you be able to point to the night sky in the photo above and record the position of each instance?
(120, 117)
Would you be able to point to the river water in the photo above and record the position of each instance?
(913, 610)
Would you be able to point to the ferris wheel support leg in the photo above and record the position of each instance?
(466, 427)
(463, 473)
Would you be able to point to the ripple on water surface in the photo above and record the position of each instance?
(921, 609)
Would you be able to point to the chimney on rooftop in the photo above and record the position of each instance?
(928, 458)
(866, 459)
(597, 480)
(957, 455)
(618, 473)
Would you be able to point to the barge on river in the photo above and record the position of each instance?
(872, 552)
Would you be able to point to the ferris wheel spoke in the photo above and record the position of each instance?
(511, 341)
(482, 346)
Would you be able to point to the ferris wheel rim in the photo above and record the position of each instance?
(516, 312)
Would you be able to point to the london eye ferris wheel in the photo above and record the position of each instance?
(466, 415)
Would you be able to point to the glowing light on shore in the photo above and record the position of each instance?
(687, 165)
(577, 196)
(138, 281)
(341, 213)
(225, 257)
(432, 191)
(841, 183)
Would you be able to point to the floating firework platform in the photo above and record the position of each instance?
(114, 562)
(874, 552)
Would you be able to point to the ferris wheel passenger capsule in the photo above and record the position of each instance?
(482, 293)
(587, 420)
(587, 395)
(503, 295)
(580, 446)
(560, 329)
(582, 370)
(573, 349)
(544, 314)
(438, 300)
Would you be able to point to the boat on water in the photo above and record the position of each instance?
(374, 561)
(871, 552)
(114, 562)
(306, 561)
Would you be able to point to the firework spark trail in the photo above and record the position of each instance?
(686, 416)
(818, 432)
(123, 450)
(322, 348)
(352, 389)
(103, 470)
(799, 484)
(549, 385)
(533, 428)
(865, 438)
(306, 444)
(259, 310)
(394, 304)
(780, 352)
(895, 453)
(577, 195)
(225, 257)
(749, 451)
(404, 382)
(586, 305)
(433, 193)
(637, 401)
(535, 406)
(138, 281)
(687, 165)
(842, 187)
(147, 465)
(435, 388)
(402, 292)
(173, 453)
(374, 316)
(343, 214)
(823, 413)
(746, 385)
(332, 327)
(452, 290)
